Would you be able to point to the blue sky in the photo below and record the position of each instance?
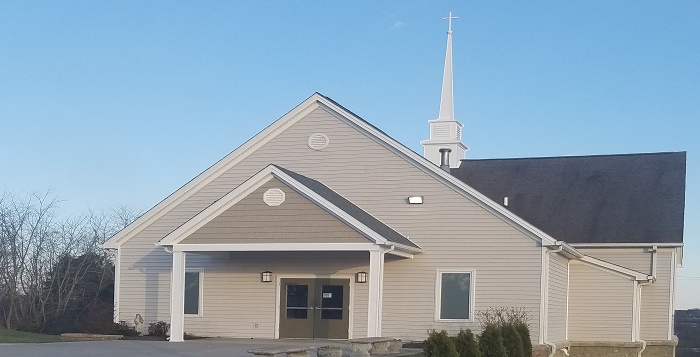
(122, 102)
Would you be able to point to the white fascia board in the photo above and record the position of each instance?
(614, 268)
(213, 172)
(625, 245)
(433, 170)
(276, 247)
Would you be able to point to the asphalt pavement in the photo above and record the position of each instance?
(192, 348)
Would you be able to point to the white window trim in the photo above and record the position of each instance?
(201, 292)
(438, 293)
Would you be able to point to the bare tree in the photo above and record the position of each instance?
(52, 271)
(25, 226)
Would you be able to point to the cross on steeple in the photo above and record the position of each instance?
(449, 22)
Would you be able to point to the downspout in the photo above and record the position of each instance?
(650, 280)
(552, 347)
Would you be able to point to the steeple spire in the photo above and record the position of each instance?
(447, 109)
(445, 131)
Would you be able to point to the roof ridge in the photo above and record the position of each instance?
(578, 156)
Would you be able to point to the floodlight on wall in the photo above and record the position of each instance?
(266, 277)
(415, 200)
(361, 277)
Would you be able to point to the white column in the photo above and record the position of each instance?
(177, 298)
(376, 266)
(117, 283)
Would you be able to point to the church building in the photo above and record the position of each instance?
(323, 226)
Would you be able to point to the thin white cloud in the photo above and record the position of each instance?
(397, 25)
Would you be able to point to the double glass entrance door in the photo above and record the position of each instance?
(314, 308)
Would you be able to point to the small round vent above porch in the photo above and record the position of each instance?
(273, 197)
(318, 141)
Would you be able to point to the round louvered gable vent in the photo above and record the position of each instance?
(273, 197)
(318, 141)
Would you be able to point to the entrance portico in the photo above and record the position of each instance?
(375, 263)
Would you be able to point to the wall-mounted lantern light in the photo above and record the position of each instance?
(266, 277)
(415, 200)
(361, 277)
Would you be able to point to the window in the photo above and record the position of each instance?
(454, 295)
(193, 290)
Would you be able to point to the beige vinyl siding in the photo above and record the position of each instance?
(557, 295)
(454, 232)
(638, 259)
(297, 220)
(600, 304)
(656, 298)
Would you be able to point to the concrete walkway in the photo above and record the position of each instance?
(211, 347)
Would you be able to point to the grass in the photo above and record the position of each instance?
(12, 336)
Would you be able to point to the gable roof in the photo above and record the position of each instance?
(316, 192)
(631, 198)
(315, 101)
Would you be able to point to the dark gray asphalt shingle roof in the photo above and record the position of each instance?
(356, 212)
(633, 198)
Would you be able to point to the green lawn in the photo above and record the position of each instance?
(12, 336)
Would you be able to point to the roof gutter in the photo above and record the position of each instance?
(561, 246)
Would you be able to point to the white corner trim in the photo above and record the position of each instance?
(672, 297)
(544, 295)
(438, 293)
(117, 284)
(568, 290)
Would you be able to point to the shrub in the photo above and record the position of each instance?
(439, 344)
(503, 315)
(98, 317)
(512, 341)
(123, 329)
(491, 342)
(524, 332)
(466, 344)
(159, 328)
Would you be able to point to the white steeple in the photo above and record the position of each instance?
(447, 107)
(445, 131)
